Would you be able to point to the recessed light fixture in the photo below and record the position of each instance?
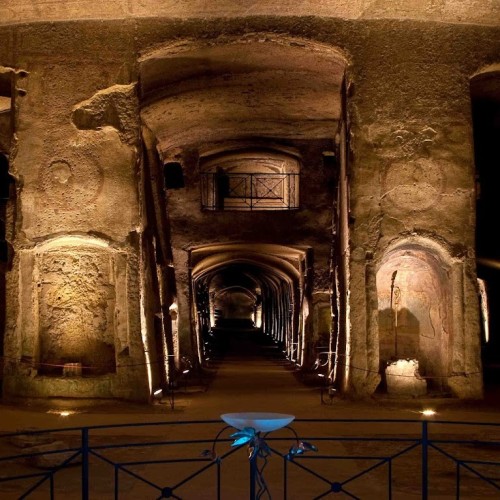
(428, 412)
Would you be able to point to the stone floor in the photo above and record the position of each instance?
(247, 378)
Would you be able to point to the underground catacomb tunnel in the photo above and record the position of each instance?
(307, 179)
(250, 289)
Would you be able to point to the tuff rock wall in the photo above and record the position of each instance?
(79, 267)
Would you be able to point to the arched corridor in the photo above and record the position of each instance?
(241, 181)
(249, 291)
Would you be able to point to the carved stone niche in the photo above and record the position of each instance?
(73, 322)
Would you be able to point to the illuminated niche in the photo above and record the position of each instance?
(250, 180)
(76, 302)
(414, 310)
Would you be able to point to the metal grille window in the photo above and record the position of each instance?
(251, 183)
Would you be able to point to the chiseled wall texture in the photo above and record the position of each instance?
(76, 152)
(455, 11)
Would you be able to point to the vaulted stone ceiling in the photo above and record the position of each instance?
(245, 88)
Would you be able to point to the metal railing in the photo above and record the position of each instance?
(372, 459)
(249, 191)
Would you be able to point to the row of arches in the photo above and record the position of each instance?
(197, 120)
(415, 282)
(258, 287)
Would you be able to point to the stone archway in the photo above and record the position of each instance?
(225, 106)
(272, 276)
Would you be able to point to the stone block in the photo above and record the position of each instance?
(403, 378)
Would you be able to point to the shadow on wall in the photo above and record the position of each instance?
(399, 334)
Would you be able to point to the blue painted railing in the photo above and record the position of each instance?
(357, 458)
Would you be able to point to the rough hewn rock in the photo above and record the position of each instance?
(403, 378)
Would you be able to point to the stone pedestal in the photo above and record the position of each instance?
(403, 378)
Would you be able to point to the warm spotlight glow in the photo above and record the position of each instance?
(144, 328)
(484, 309)
(62, 413)
(428, 412)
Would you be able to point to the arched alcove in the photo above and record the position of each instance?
(76, 302)
(74, 318)
(415, 310)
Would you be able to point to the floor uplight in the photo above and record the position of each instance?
(428, 412)
(62, 413)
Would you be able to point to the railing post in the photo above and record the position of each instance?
(285, 477)
(251, 192)
(85, 463)
(425, 449)
(218, 478)
(253, 476)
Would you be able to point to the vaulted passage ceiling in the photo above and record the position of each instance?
(194, 94)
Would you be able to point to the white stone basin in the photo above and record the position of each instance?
(260, 421)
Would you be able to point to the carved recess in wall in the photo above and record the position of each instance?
(77, 304)
(413, 184)
(413, 288)
(69, 185)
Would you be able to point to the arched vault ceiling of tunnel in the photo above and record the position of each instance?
(174, 64)
(265, 264)
(270, 263)
(237, 90)
(251, 277)
(235, 275)
(235, 289)
(293, 254)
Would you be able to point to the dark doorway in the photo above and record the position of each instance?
(485, 97)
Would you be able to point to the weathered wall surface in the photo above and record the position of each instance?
(77, 304)
(411, 151)
(75, 155)
(477, 11)
(414, 170)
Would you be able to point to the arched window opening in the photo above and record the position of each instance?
(253, 180)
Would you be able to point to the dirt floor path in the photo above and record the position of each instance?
(251, 376)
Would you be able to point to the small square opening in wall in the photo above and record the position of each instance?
(173, 175)
(4, 251)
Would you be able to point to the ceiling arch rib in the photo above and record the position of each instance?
(268, 263)
(233, 289)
